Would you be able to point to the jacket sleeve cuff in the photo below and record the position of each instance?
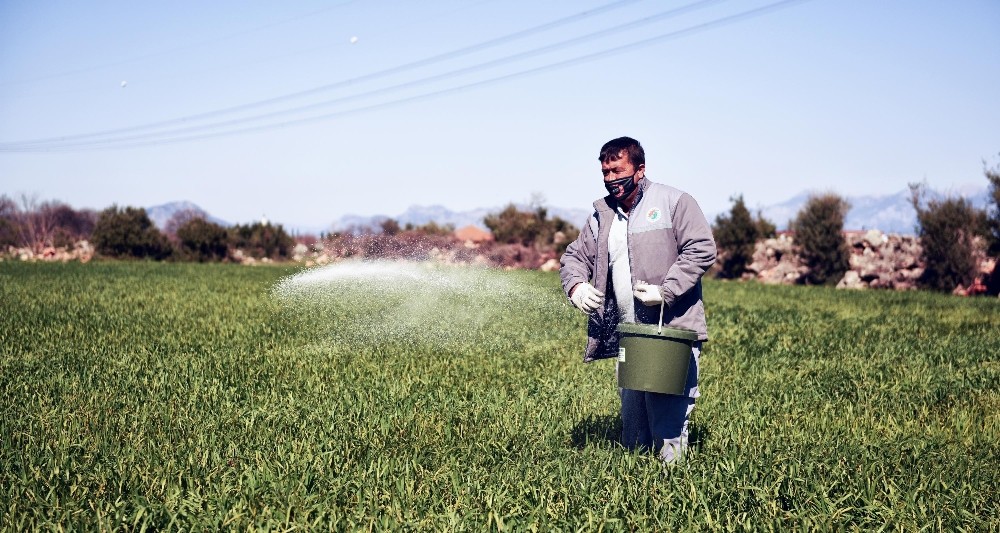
(573, 284)
(668, 297)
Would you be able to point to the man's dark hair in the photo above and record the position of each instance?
(613, 149)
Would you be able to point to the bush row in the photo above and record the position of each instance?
(948, 230)
(128, 232)
(524, 238)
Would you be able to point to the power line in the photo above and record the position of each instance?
(260, 59)
(124, 143)
(698, 28)
(324, 47)
(405, 85)
(344, 83)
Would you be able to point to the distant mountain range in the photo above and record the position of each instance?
(420, 215)
(160, 214)
(890, 213)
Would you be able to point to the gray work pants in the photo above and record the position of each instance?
(659, 422)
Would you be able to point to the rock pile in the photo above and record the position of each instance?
(878, 261)
(881, 261)
(775, 262)
(81, 251)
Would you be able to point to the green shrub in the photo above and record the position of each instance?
(128, 232)
(993, 216)
(430, 229)
(513, 226)
(178, 219)
(735, 234)
(993, 228)
(531, 228)
(819, 234)
(390, 227)
(946, 229)
(9, 231)
(765, 228)
(202, 240)
(261, 240)
(563, 233)
(40, 224)
(70, 225)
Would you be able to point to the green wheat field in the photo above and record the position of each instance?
(160, 396)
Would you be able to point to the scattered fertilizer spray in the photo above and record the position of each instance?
(405, 302)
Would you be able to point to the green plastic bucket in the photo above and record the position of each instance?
(654, 359)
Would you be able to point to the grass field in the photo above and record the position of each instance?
(180, 396)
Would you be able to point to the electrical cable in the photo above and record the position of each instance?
(345, 83)
(259, 59)
(698, 28)
(405, 85)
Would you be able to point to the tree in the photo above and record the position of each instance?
(261, 239)
(946, 229)
(513, 226)
(389, 227)
(735, 234)
(993, 227)
(765, 228)
(35, 222)
(562, 234)
(432, 229)
(531, 228)
(128, 232)
(202, 240)
(993, 216)
(178, 219)
(70, 225)
(819, 235)
(9, 223)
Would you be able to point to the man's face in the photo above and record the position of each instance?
(622, 167)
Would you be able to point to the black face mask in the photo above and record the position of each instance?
(621, 188)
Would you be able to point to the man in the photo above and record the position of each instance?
(645, 244)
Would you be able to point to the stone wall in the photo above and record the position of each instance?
(775, 261)
(881, 261)
(878, 261)
(81, 251)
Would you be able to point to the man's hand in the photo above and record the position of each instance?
(648, 294)
(586, 298)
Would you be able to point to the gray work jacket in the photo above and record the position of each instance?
(669, 242)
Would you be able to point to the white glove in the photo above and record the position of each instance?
(648, 294)
(586, 298)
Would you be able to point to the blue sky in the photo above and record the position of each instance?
(857, 97)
